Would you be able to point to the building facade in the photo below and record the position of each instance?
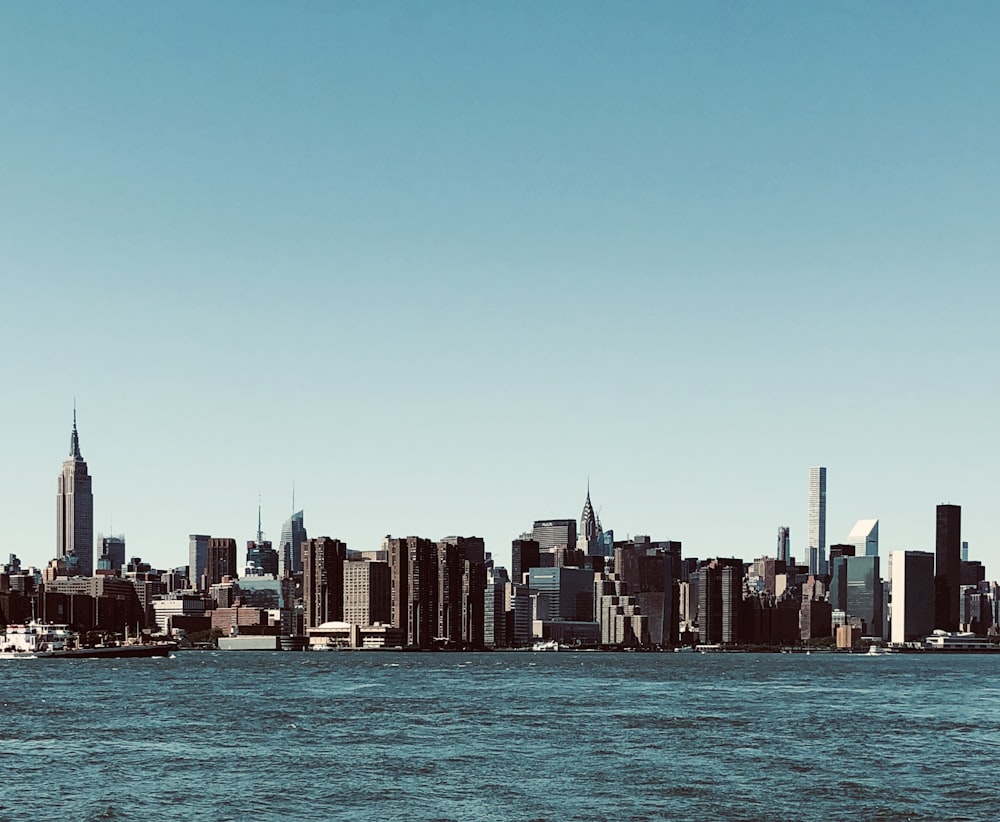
(911, 574)
(817, 520)
(323, 561)
(367, 592)
(293, 534)
(864, 538)
(75, 511)
(948, 567)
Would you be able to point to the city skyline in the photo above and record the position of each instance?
(665, 247)
(566, 529)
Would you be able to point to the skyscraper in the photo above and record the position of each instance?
(784, 543)
(948, 567)
(75, 510)
(720, 583)
(220, 560)
(293, 534)
(323, 580)
(912, 576)
(549, 533)
(197, 560)
(864, 538)
(863, 597)
(817, 519)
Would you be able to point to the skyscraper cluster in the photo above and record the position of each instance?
(570, 583)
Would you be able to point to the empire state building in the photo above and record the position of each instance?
(75, 510)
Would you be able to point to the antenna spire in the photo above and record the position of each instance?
(74, 441)
(260, 532)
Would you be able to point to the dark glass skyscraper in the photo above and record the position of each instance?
(75, 510)
(948, 567)
(293, 534)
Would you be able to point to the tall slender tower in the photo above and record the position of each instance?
(75, 509)
(948, 567)
(817, 519)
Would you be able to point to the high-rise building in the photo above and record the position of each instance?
(590, 541)
(524, 555)
(568, 593)
(948, 567)
(784, 543)
(221, 560)
(495, 615)
(323, 580)
(838, 575)
(414, 580)
(817, 520)
(367, 592)
(912, 607)
(549, 533)
(75, 511)
(864, 592)
(198, 560)
(461, 585)
(651, 571)
(720, 593)
(293, 534)
(262, 559)
(112, 557)
(864, 538)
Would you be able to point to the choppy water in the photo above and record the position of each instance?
(260, 736)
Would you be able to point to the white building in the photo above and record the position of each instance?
(864, 538)
(817, 520)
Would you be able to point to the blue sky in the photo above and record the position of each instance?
(440, 263)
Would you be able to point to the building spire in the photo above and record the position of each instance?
(74, 442)
(260, 531)
(588, 520)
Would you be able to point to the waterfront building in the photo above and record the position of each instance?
(817, 520)
(864, 538)
(494, 611)
(651, 571)
(864, 593)
(977, 611)
(622, 622)
(323, 580)
(948, 567)
(414, 583)
(720, 592)
(518, 610)
(177, 610)
(367, 592)
(75, 510)
(549, 533)
(461, 572)
(293, 534)
(220, 559)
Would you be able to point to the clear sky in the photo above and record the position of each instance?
(439, 263)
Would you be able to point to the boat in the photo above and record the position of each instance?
(550, 645)
(37, 640)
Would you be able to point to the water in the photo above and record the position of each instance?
(261, 736)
